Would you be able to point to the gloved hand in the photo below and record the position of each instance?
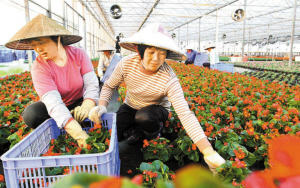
(212, 159)
(101, 77)
(82, 112)
(96, 112)
(74, 129)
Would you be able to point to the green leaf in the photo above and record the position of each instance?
(237, 171)
(250, 159)
(55, 171)
(147, 167)
(185, 148)
(194, 156)
(163, 152)
(219, 145)
(159, 146)
(157, 164)
(262, 149)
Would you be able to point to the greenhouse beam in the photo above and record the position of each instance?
(244, 23)
(151, 10)
(292, 36)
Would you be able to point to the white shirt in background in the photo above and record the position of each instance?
(213, 56)
(103, 63)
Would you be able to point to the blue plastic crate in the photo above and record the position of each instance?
(223, 67)
(25, 156)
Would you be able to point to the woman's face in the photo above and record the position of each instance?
(154, 58)
(45, 47)
(107, 53)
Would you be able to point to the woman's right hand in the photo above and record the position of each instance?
(96, 113)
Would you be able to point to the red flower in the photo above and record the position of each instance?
(1, 178)
(129, 171)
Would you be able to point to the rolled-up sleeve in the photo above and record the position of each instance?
(91, 86)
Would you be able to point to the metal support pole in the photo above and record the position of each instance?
(29, 52)
(244, 30)
(64, 13)
(268, 40)
(187, 34)
(217, 32)
(179, 39)
(199, 34)
(84, 28)
(49, 9)
(292, 36)
(249, 44)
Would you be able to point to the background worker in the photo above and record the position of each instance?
(190, 54)
(118, 47)
(151, 86)
(105, 58)
(63, 76)
(213, 56)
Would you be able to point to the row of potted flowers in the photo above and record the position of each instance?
(275, 66)
(288, 78)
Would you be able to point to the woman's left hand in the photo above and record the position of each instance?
(212, 159)
(82, 112)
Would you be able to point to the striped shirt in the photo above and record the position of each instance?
(157, 89)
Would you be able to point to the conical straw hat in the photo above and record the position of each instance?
(210, 46)
(154, 35)
(106, 47)
(40, 26)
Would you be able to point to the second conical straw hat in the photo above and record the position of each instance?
(40, 26)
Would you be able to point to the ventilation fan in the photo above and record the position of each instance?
(173, 35)
(238, 15)
(224, 36)
(270, 37)
(273, 41)
(115, 11)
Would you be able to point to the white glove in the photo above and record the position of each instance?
(101, 78)
(213, 161)
(96, 112)
(75, 130)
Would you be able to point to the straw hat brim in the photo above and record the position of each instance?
(106, 47)
(40, 26)
(22, 44)
(212, 46)
(156, 40)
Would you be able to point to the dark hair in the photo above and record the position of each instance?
(55, 39)
(118, 38)
(142, 48)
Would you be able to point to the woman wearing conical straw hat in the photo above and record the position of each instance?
(62, 75)
(151, 86)
(105, 58)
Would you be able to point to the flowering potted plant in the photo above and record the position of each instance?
(157, 149)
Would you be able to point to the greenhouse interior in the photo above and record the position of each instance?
(173, 93)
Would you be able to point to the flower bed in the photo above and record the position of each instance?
(275, 66)
(239, 114)
(281, 78)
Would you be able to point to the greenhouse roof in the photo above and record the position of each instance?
(263, 18)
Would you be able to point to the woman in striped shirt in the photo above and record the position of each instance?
(151, 88)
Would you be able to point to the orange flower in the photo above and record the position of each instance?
(1, 178)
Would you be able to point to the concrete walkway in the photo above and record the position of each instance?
(240, 70)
